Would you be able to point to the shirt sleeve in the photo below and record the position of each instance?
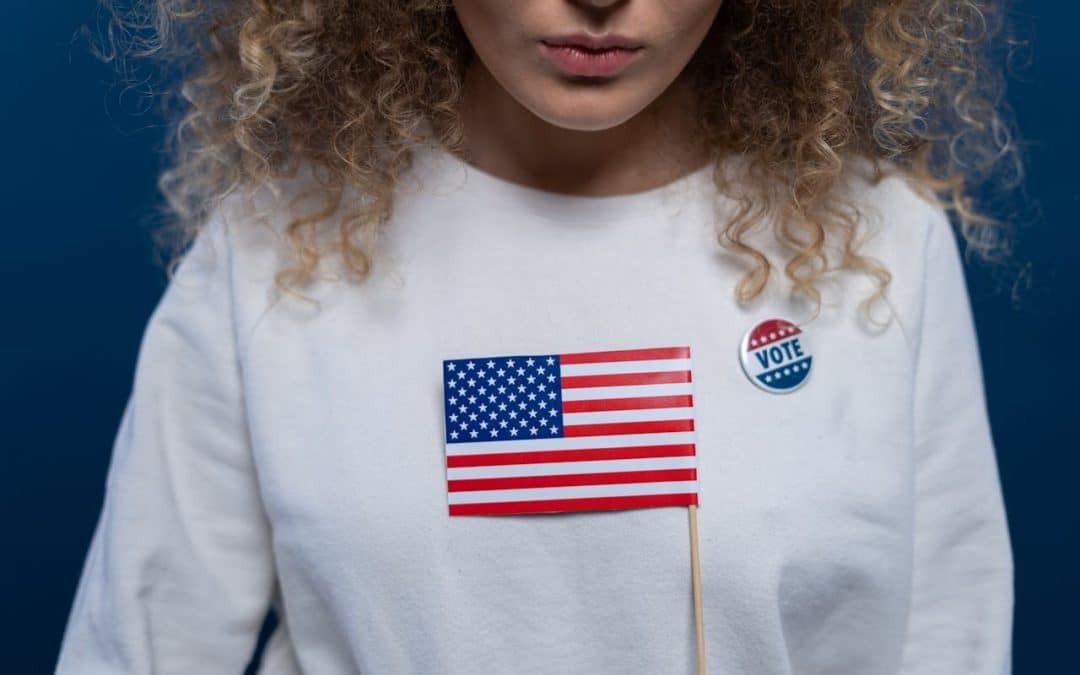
(179, 572)
(962, 598)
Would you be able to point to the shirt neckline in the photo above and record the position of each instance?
(436, 167)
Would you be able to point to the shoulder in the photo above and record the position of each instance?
(249, 232)
(875, 210)
(903, 226)
(901, 215)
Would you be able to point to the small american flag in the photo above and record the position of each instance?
(570, 432)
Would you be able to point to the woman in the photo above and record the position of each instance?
(378, 191)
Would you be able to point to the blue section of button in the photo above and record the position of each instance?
(787, 376)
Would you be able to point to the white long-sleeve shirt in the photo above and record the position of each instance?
(278, 453)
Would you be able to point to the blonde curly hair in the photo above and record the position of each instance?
(797, 87)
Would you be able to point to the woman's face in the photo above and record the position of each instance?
(574, 88)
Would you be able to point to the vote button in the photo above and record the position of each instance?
(776, 356)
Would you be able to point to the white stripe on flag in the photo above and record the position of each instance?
(571, 443)
(637, 415)
(567, 468)
(617, 367)
(627, 391)
(572, 492)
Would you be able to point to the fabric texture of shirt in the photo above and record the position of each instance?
(277, 453)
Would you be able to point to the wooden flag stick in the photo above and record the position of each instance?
(695, 572)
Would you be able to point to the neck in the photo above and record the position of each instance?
(653, 148)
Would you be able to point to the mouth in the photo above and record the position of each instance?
(594, 56)
(591, 41)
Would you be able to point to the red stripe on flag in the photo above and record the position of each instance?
(635, 403)
(565, 480)
(544, 456)
(620, 428)
(625, 379)
(580, 504)
(654, 353)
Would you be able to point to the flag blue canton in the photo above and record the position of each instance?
(502, 399)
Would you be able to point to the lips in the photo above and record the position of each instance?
(593, 56)
(585, 40)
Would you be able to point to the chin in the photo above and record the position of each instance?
(585, 111)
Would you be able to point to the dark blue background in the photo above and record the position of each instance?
(78, 284)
